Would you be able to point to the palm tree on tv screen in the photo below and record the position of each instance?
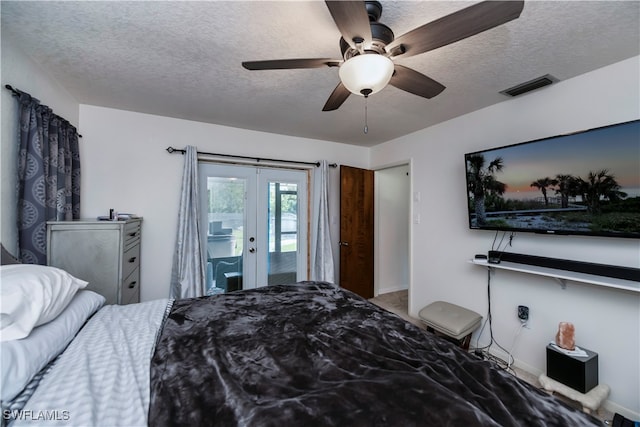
(568, 186)
(482, 182)
(542, 184)
(600, 185)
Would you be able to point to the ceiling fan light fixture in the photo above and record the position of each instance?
(366, 74)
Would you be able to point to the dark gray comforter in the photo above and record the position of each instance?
(311, 354)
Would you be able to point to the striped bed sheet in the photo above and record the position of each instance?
(102, 378)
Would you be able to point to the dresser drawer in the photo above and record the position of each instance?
(130, 260)
(132, 234)
(130, 291)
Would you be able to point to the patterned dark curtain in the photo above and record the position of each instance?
(48, 176)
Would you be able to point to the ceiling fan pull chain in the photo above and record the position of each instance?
(366, 127)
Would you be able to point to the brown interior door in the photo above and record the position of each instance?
(356, 230)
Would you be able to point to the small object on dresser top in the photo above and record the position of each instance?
(125, 216)
(121, 217)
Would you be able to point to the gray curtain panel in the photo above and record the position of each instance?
(188, 273)
(48, 176)
(323, 268)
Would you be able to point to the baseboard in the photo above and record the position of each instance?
(389, 289)
(615, 408)
(529, 369)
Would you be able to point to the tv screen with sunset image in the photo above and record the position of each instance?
(585, 183)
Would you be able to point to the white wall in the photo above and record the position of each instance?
(125, 167)
(392, 229)
(22, 73)
(606, 320)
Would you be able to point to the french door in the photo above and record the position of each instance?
(254, 223)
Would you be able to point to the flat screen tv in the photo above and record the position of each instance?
(585, 183)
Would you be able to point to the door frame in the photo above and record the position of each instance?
(411, 214)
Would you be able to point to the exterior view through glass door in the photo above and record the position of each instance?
(254, 223)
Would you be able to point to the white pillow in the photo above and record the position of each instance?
(21, 359)
(32, 295)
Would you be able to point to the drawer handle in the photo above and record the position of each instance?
(132, 259)
(133, 234)
(132, 284)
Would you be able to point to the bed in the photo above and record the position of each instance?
(308, 353)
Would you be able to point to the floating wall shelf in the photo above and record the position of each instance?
(563, 275)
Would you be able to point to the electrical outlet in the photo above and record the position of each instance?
(523, 313)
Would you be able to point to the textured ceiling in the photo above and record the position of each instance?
(183, 59)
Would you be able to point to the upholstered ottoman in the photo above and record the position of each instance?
(452, 321)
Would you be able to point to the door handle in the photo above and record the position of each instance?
(341, 243)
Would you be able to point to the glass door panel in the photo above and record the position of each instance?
(286, 226)
(283, 233)
(254, 223)
(225, 207)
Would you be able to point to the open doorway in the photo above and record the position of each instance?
(392, 224)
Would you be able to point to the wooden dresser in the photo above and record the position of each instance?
(104, 253)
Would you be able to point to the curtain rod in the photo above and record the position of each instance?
(172, 150)
(16, 92)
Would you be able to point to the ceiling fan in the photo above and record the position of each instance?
(369, 47)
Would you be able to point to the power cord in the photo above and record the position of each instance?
(513, 344)
(484, 351)
(495, 237)
(509, 243)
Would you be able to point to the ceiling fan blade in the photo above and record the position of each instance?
(454, 27)
(413, 82)
(285, 64)
(337, 97)
(352, 20)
